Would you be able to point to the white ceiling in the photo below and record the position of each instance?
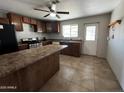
(77, 8)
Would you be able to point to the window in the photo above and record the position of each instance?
(70, 30)
(91, 33)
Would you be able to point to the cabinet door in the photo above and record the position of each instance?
(26, 20)
(23, 46)
(16, 20)
(43, 26)
(4, 21)
(52, 26)
(40, 26)
(55, 26)
(33, 22)
(73, 49)
(65, 51)
(48, 27)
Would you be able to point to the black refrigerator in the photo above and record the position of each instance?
(8, 42)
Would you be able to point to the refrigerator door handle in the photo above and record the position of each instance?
(0, 45)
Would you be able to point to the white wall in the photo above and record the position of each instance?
(115, 54)
(103, 21)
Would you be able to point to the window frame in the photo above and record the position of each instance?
(70, 36)
(86, 25)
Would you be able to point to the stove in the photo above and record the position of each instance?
(32, 42)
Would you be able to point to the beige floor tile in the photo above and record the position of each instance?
(79, 76)
(76, 88)
(107, 86)
(84, 74)
(88, 84)
(55, 85)
(107, 75)
(66, 72)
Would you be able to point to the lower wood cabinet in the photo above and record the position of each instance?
(10, 83)
(73, 49)
(32, 77)
(46, 42)
(23, 46)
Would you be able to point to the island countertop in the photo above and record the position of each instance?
(17, 60)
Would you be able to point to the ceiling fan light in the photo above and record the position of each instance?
(54, 7)
(52, 14)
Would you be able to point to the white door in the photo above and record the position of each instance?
(90, 42)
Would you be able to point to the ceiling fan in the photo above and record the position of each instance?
(52, 9)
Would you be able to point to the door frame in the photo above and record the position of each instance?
(96, 37)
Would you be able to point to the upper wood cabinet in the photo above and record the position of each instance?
(56, 26)
(26, 20)
(52, 26)
(33, 21)
(16, 20)
(40, 26)
(4, 21)
(29, 20)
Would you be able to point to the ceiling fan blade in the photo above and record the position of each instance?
(60, 12)
(46, 15)
(40, 10)
(57, 16)
(50, 8)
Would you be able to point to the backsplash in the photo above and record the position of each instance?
(28, 33)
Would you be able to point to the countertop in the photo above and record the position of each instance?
(72, 41)
(14, 61)
(64, 40)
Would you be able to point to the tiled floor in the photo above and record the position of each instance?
(84, 74)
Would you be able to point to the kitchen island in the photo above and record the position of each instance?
(30, 69)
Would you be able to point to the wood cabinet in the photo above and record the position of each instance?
(40, 26)
(32, 77)
(33, 22)
(29, 20)
(52, 26)
(10, 80)
(16, 20)
(26, 20)
(4, 21)
(73, 49)
(48, 42)
(56, 26)
(23, 46)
